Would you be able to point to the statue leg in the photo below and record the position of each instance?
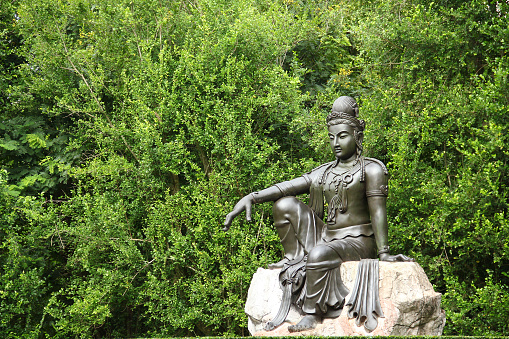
(324, 288)
(298, 228)
(325, 291)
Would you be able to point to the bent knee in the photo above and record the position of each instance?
(322, 254)
(285, 206)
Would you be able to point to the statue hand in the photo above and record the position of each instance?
(243, 204)
(392, 258)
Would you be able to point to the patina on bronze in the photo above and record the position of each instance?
(355, 189)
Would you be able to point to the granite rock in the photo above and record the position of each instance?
(409, 303)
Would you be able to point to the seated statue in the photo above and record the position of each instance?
(355, 225)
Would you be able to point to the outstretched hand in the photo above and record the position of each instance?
(244, 204)
(392, 258)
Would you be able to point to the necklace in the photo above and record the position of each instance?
(339, 180)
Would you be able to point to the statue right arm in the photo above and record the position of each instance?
(376, 180)
(293, 187)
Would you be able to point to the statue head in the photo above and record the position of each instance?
(346, 111)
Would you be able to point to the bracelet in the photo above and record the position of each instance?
(384, 249)
(254, 196)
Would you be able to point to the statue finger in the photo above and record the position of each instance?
(394, 258)
(402, 257)
(248, 212)
(228, 221)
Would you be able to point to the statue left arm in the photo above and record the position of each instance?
(376, 192)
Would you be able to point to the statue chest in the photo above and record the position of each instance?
(336, 182)
(343, 191)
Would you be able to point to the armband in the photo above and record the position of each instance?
(307, 178)
(382, 192)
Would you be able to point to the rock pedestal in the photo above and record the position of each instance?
(409, 303)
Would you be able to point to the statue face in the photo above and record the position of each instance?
(342, 141)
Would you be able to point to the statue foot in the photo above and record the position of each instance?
(278, 264)
(307, 323)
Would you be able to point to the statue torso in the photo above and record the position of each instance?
(345, 197)
(351, 183)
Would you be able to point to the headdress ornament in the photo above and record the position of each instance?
(346, 108)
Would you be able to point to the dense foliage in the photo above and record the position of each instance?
(130, 128)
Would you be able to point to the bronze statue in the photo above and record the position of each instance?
(354, 228)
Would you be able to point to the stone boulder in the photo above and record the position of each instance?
(409, 303)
